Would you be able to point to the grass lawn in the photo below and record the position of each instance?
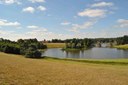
(55, 45)
(122, 46)
(17, 70)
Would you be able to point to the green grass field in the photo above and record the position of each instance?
(17, 70)
(55, 45)
(122, 46)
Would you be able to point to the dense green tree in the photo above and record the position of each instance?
(22, 46)
(32, 52)
(79, 43)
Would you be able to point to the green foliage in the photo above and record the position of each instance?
(122, 40)
(57, 41)
(32, 52)
(87, 43)
(116, 41)
(28, 47)
(79, 43)
(28, 42)
(11, 49)
(8, 46)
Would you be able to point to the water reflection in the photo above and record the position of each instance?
(72, 54)
(94, 53)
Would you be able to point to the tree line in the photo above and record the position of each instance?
(91, 42)
(118, 40)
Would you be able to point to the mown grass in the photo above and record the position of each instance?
(122, 46)
(55, 45)
(17, 70)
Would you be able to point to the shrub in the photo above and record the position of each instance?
(11, 49)
(32, 52)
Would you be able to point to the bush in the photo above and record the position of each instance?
(32, 52)
(11, 49)
(27, 47)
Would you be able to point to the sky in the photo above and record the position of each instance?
(63, 19)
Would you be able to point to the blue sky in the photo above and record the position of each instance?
(62, 19)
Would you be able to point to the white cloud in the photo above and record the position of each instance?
(39, 1)
(37, 32)
(74, 29)
(65, 23)
(29, 9)
(122, 23)
(97, 0)
(37, 28)
(32, 27)
(40, 35)
(93, 13)
(77, 27)
(9, 2)
(41, 8)
(102, 4)
(32, 9)
(7, 23)
(2, 32)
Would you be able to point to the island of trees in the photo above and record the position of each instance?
(89, 43)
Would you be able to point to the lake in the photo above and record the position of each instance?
(94, 53)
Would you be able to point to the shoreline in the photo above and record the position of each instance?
(93, 61)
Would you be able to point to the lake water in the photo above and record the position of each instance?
(94, 53)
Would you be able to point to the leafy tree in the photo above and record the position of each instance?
(32, 52)
(22, 46)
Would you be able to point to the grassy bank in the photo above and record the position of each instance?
(122, 46)
(55, 45)
(95, 61)
(17, 70)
